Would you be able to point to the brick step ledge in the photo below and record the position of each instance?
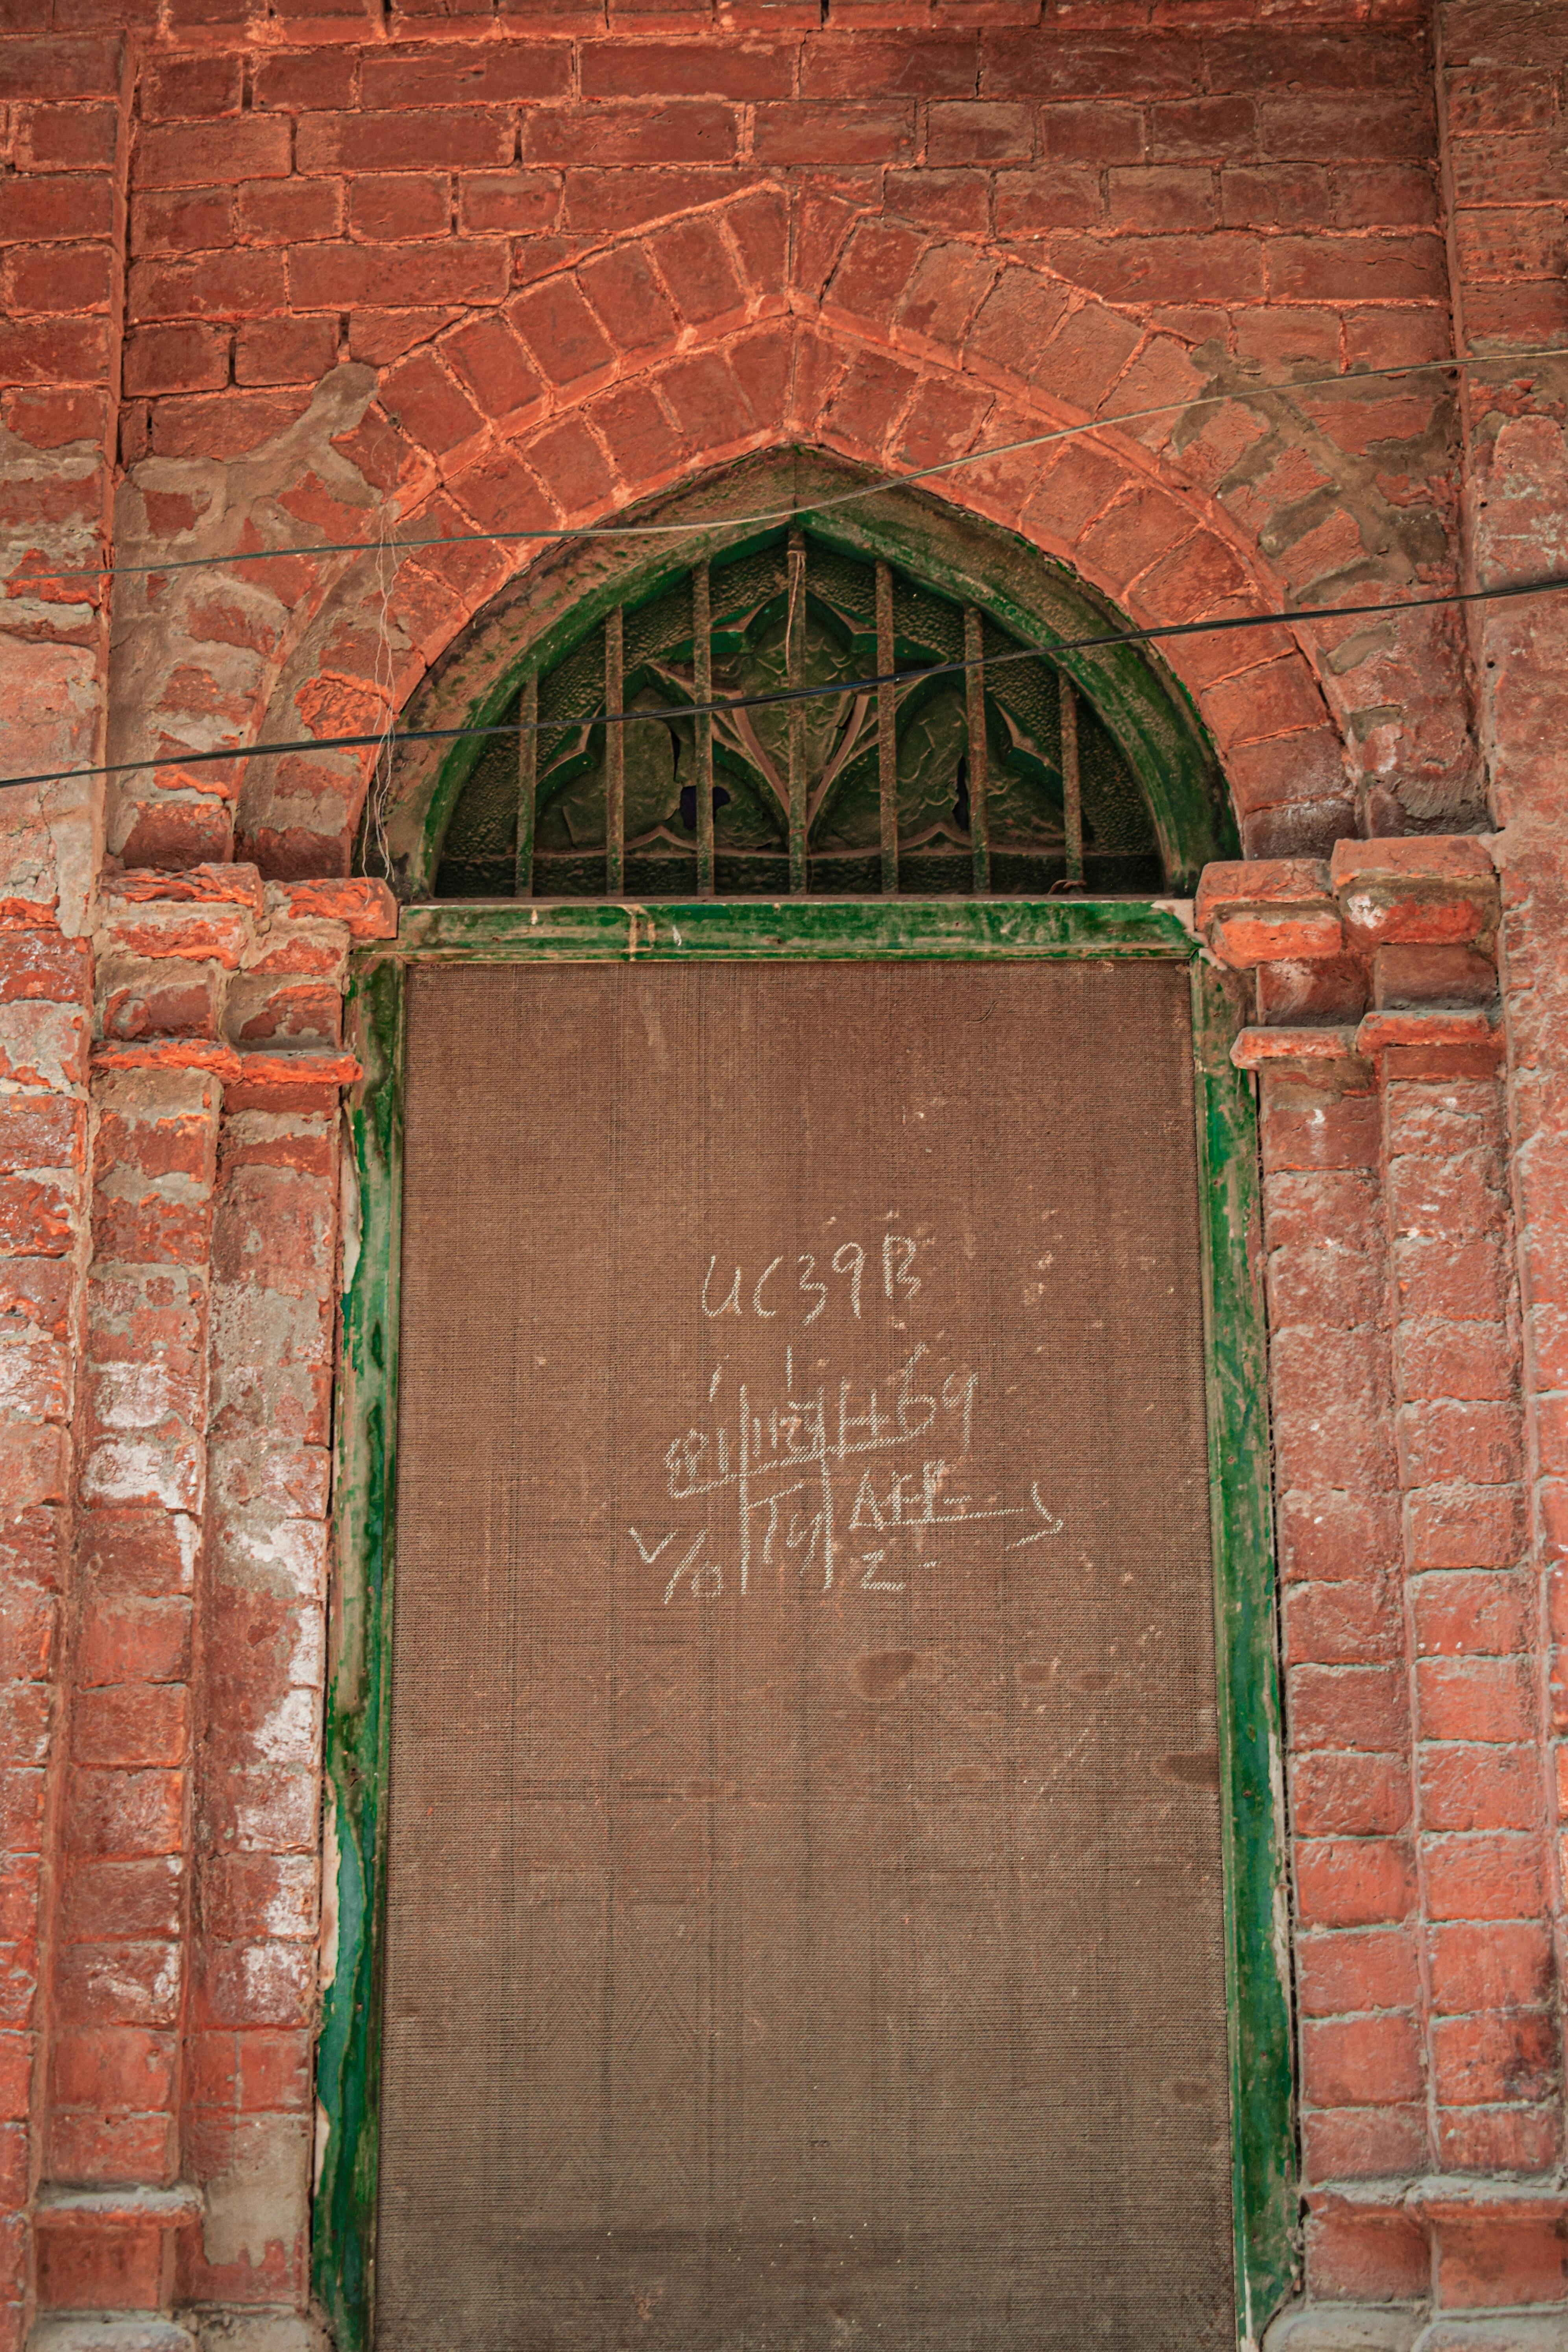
(298, 1065)
(1382, 2327)
(229, 2328)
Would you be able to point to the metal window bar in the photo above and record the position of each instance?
(794, 666)
(527, 788)
(1072, 796)
(702, 680)
(886, 733)
(614, 759)
(974, 695)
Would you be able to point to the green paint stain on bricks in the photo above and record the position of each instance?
(1257, 1957)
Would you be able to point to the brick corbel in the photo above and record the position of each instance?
(1270, 910)
(214, 970)
(1382, 955)
(1434, 890)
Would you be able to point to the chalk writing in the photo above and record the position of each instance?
(849, 1260)
(780, 1462)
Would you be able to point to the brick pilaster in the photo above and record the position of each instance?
(121, 1973)
(1430, 2054)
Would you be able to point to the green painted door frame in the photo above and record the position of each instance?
(1251, 1776)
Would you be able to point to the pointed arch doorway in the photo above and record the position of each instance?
(809, 1854)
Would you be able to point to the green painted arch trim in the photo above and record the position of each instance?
(543, 615)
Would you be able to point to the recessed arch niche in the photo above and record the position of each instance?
(805, 581)
(541, 2061)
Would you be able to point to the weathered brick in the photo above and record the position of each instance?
(893, 64)
(839, 136)
(1484, 1875)
(1465, 1526)
(1440, 1441)
(207, 154)
(1356, 2257)
(454, 138)
(743, 70)
(107, 1899)
(1363, 2060)
(134, 1641)
(1470, 1616)
(1363, 2143)
(424, 403)
(982, 131)
(1478, 1787)
(690, 133)
(458, 75)
(133, 1723)
(119, 1983)
(1478, 2060)
(1122, 63)
(114, 2067)
(1490, 1967)
(329, 275)
(1339, 1792)
(630, 303)
(112, 2269)
(1342, 1624)
(1347, 1706)
(695, 264)
(1355, 1882)
(562, 332)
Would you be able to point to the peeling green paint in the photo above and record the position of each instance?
(1263, 2167)
(348, 2065)
(795, 929)
(348, 2052)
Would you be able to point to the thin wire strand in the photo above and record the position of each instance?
(796, 514)
(1051, 651)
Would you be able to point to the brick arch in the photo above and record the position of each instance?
(658, 356)
(1109, 517)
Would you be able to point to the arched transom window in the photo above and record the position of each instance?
(998, 777)
(1026, 745)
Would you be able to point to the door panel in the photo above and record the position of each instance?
(804, 1907)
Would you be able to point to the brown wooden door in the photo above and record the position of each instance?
(805, 1921)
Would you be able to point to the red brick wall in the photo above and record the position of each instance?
(282, 272)
(576, 269)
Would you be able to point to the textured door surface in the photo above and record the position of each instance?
(804, 1921)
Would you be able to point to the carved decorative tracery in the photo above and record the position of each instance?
(1002, 777)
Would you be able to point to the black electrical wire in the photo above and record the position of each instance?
(397, 547)
(390, 738)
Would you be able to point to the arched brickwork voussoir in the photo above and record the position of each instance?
(1119, 514)
(1150, 549)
